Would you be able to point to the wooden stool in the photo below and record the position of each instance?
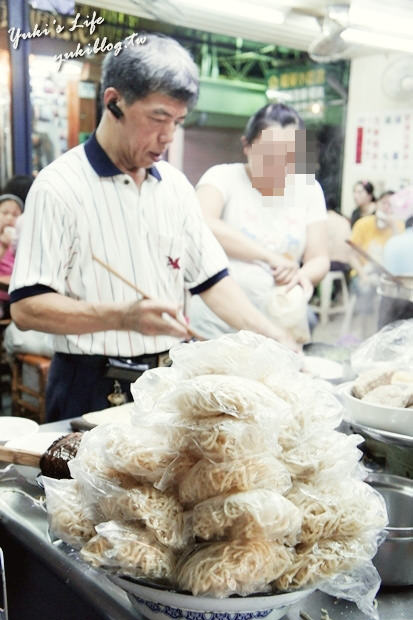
(29, 378)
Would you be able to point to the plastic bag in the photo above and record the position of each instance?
(208, 395)
(128, 550)
(288, 309)
(323, 453)
(140, 452)
(260, 513)
(338, 510)
(391, 347)
(236, 567)
(314, 564)
(314, 409)
(159, 512)
(67, 519)
(207, 479)
(244, 354)
(221, 439)
(150, 387)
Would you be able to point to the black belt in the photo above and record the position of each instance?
(121, 368)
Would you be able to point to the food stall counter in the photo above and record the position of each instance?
(46, 580)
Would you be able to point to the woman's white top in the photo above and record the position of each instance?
(278, 223)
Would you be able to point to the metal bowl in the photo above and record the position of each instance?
(394, 556)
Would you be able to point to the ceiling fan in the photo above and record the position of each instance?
(329, 46)
(397, 78)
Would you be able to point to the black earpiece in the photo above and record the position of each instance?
(115, 109)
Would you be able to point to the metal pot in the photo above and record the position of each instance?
(394, 556)
(401, 290)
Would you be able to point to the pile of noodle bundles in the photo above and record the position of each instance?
(241, 566)
(130, 549)
(229, 478)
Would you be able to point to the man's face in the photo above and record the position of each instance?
(383, 212)
(272, 156)
(147, 128)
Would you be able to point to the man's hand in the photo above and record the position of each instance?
(283, 269)
(153, 317)
(304, 281)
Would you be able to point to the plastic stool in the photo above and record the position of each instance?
(326, 306)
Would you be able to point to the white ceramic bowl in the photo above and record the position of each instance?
(159, 604)
(393, 419)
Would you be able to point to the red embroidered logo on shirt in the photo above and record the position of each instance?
(174, 262)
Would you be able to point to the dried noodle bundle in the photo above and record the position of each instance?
(67, 519)
(207, 479)
(222, 439)
(208, 395)
(314, 563)
(160, 512)
(142, 453)
(129, 550)
(321, 453)
(253, 514)
(236, 567)
(338, 511)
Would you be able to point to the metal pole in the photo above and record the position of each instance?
(18, 17)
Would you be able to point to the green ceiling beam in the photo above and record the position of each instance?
(231, 97)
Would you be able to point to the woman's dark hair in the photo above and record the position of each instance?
(19, 185)
(271, 114)
(389, 192)
(368, 187)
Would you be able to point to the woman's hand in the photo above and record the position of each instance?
(304, 281)
(283, 269)
(7, 231)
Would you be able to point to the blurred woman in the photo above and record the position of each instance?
(268, 213)
(363, 193)
(11, 208)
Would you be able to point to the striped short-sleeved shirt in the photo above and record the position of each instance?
(82, 205)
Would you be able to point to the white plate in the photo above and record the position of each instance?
(35, 442)
(322, 368)
(161, 604)
(120, 414)
(392, 419)
(12, 427)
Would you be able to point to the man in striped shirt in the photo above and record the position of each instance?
(114, 199)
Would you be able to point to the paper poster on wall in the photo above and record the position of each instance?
(384, 140)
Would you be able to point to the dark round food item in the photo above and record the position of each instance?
(54, 462)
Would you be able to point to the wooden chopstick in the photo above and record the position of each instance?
(120, 276)
(374, 262)
(192, 332)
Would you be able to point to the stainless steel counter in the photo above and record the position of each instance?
(23, 519)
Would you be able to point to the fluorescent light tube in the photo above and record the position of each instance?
(377, 39)
(253, 11)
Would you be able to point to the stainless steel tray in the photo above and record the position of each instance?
(395, 439)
